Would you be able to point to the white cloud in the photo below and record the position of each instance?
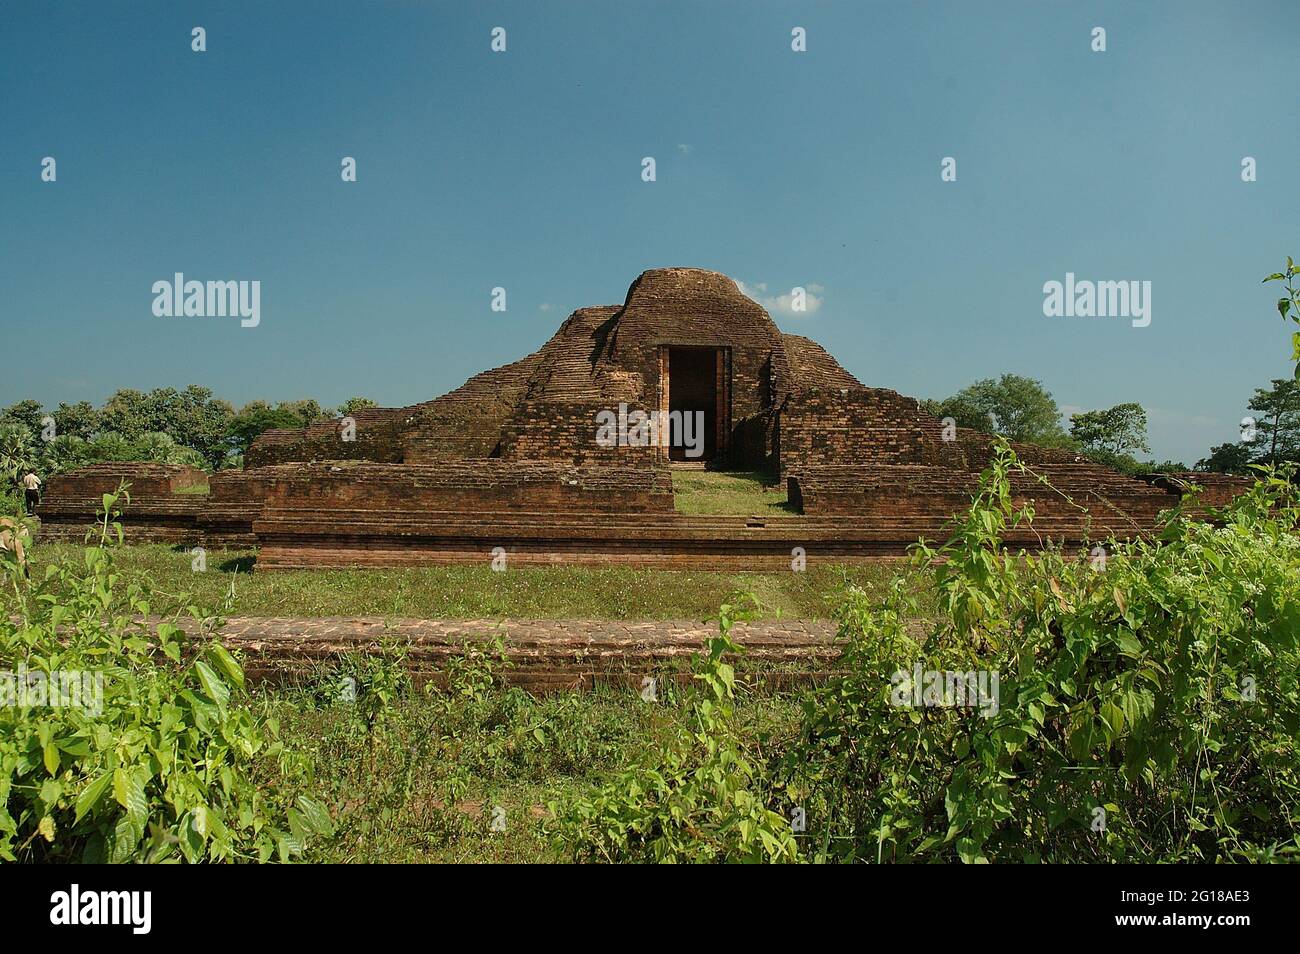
(685, 148)
(784, 304)
(545, 306)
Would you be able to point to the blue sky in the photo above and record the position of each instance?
(522, 170)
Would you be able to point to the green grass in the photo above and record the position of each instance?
(469, 592)
(193, 489)
(738, 493)
(423, 785)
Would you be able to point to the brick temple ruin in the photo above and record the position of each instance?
(511, 460)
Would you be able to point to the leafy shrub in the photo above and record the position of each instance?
(154, 760)
(1147, 709)
(1149, 702)
(698, 797)
(11, 502)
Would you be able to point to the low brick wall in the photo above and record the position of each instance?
(145, 479)
(470, 486)
(1078, 503)
(543, 655)
(154, 513)
(147, 518)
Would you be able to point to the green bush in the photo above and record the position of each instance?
(1148, 706)
(150, 755)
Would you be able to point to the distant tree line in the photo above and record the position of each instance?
(189, 426)
(1022, 409)
(192, 426)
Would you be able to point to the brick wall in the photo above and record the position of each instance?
(567, 432)
(867, 427)
(145, 478)
(478, 486)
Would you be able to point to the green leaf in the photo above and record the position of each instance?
(91, 794)
(50, 792)
(1113, 716)
(213, 687)
(316, 816)
(289, 845)
(128, 789)
(227, 664)
(51, 754)
(125, 837)
(1128, 644)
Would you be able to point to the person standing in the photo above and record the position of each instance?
(31, 491)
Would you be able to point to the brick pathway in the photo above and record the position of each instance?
(542, 654)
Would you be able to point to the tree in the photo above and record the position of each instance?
(254, 419)
(352, 404)
(109, 445)
(1276, 432)
(1227, 459)
(128, 413)
(27, 413)
(964, 411)
(17, 450)
(64, 453)
(76, 420)
(1020, 409)
(1116, 431)
(309, 411)
(1277, 422)
(200, 421)
(1276, 437)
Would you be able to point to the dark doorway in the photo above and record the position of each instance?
(693, 389)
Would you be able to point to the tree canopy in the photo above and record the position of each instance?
(1017, 407)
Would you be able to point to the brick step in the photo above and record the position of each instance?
(543, 655)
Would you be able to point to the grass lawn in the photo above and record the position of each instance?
(469, 592)
(736, 492)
